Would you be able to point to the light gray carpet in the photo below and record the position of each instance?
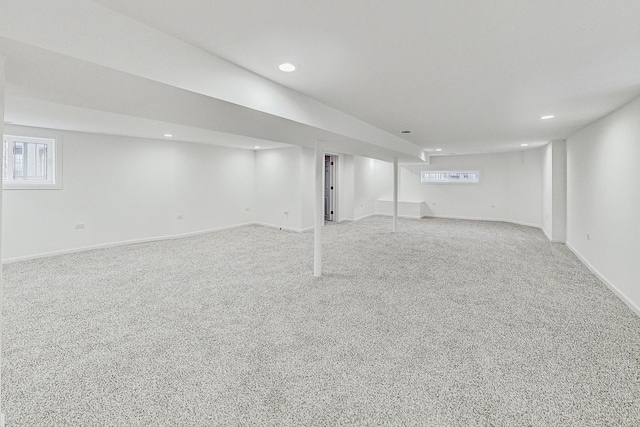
(447, 323)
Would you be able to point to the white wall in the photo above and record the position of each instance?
(307, 188)
(547, 190)
(510, 187)
(559, 196)
(127, 189)
(603, 183)
(346, 195)
(364, 186)
(279, 187)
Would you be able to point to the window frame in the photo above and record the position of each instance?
(54, 159)
(477, 172)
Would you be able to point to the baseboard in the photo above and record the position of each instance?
(360, 218)
(634, 307)
(280, 227)
(399, 216)
(122, 243)
(470, 218)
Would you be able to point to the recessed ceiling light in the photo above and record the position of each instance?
(405, 131)
(438, 149)
(523, 145)
(168, 135)
(257, 147)
(547, 117)
(287, 67)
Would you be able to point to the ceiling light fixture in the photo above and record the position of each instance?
(523, 145)
(438, 149)
(168, 135)
(257, 147)
(287, 67)
(547, 117)
(405, 131)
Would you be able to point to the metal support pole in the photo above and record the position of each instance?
(395, 194)
(319, 212)
(2, 85)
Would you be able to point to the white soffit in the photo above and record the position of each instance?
(466, 76)
(88, 32)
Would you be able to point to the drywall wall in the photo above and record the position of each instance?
(126, 189)
(346, 188)
(364, 186)
(510, 187)
(603, 199)
(524, 186)
(307, 188)
(547, 190)
(278, 188)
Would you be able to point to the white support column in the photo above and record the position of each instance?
(2, 84)
(395, 194)
(319, 212)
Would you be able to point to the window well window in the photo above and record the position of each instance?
(448, 177)
(29, 162)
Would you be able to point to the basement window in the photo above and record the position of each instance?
(30, 163)
(450, 177)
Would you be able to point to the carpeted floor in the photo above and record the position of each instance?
(446, 323)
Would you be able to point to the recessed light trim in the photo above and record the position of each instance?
(547, 117)
(168, 135)
(287, 67)
(524, 145)
(257, 147)
(438, 149)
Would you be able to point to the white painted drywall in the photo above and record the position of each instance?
(279, 187)
(559, 194)
(120, 43)
(346, 188)
(603, 199)
(364, 187)
(510, 187)
(547, 190)
(127, 189)
(524, 187)
(307, 189)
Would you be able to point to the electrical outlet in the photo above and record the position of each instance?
(247, 209)
(286, 212)
(180, 217)
(80, 226)
(493, 206)
(588, 236)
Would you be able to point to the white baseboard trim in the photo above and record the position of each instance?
(549, 237)
(122, 243)
(365, 216)
(280, 227)
(634, 307)
(399, 216)
(470, 218)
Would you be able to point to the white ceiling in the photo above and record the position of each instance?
(462, 75)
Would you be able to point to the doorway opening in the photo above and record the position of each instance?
(330, 188)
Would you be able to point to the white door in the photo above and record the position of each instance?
(329, 188)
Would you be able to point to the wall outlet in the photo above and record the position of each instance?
(286, 212)
(247, 209)
(180, 217)
(493, 206)
(588, 236)
(81, 226)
